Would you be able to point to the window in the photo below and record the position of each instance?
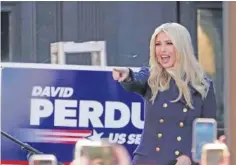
(4, 36)
(210, 51)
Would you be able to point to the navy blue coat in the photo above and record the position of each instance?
(167, 132)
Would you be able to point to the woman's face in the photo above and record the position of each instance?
(165, 51)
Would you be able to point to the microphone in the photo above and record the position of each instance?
(24, 146)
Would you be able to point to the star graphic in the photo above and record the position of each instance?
(95, 136)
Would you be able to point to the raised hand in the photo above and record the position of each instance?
(183, 160)
(120, 74)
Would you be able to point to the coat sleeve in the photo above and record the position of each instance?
(138, 82)
(209, 104)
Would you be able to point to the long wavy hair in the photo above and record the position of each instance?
(188, 71)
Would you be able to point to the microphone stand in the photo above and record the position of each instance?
(24, 146)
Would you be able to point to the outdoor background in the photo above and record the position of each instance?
(28, 29)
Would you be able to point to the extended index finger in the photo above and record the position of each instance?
(117, 69)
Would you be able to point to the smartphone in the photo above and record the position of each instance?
(43, 159)
(214, 153)
(204, 131)
(94, 152)
(100, 153)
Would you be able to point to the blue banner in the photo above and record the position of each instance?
(51, 108)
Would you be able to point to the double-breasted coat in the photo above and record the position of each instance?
(167, 132)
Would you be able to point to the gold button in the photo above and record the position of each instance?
(161, 120)
(157, 149)
(185, 110)
(159, 135)
(176, 153)
(165, 105)
(181, 124)
(179, 138)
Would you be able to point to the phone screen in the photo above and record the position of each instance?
(214, 156)
(97, 155)
(43, 162)
(42, 159)
(204, 133)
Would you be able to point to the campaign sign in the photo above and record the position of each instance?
(51, 107)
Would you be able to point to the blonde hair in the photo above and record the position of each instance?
(189, 71)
